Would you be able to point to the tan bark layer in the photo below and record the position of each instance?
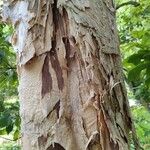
(71, 89)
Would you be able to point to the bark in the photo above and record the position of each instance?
(72, 94)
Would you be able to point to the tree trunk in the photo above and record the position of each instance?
(72, 95)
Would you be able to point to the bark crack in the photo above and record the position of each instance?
(53, 54)
(46, 77)
(55, 146)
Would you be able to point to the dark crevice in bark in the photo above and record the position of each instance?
(55, 146)
(69, 41)
(53, 54)
(60, 21)
(65, 22)
(57, 108)
(127, 117)
(46, 77)
(94, 142)
(124, 137)
(70, 49)
(56, 66)
(55, 12)
(67, 46)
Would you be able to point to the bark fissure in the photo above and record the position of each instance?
(57, 108)
(53, 52)
(56, 66)
(46, 77)
(70, 49)
(55, 146)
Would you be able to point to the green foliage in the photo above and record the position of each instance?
(134, 30)
(9, 107)
(10, 146)
(8, 75)
(142, 124)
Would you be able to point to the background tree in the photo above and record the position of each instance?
(133, 25)
(9, 115)
(134, 29)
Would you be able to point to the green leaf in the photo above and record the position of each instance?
(135, 58)
(134, 74)
(18, 122)
(16, 135)
(147, 10)
(3, 121)
(147, 56)
(147, 81)
(3, 131)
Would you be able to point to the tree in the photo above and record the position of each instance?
(9, 114)
(135, 38)
(71, 90)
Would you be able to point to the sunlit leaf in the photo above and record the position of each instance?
(16, 135)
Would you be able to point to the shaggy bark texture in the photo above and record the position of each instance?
(72, 95)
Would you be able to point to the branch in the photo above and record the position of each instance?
(135, 4)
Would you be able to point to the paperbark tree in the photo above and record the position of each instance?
(72, 95)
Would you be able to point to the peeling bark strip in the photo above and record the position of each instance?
(46, 77)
